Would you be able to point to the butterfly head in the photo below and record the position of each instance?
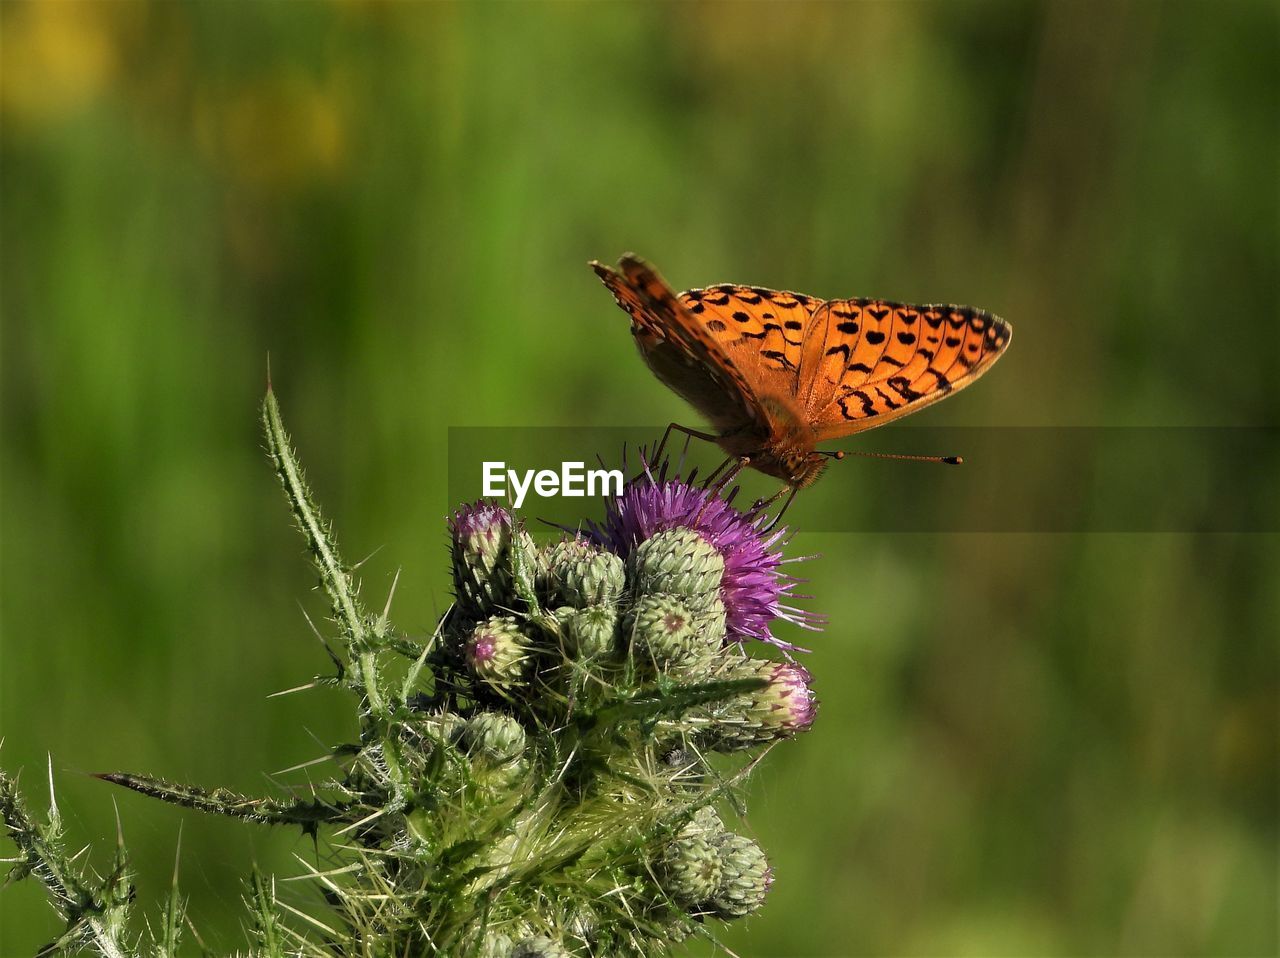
(796, 464)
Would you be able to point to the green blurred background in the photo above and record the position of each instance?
(1030, 744)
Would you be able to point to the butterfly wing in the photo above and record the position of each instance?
(680, 349)
(868, 362)
(762, 329)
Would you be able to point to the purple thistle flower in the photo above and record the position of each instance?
(754, 590)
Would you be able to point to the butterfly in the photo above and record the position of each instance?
(776, 373)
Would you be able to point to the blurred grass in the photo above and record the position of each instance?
(1030, 745)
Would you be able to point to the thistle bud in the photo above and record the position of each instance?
(581, 574)
(690, 870)
(590, 632)
(679, 562)
(665, 631)
(708, 821)
(440, 728)
(745, 877)
(496, 651)
(538, 947)
(493, 738)
(496, 945)
(783, 708)
(481, 535)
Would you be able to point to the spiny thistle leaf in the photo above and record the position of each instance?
(221, 801)
(94, 919)
(264, 916)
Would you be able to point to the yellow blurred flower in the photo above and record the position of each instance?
(58, 56)
(283, 130)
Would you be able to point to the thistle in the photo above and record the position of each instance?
(531, 779)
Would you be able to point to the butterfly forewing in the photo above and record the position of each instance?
(681, 351)
(879, 360)
(762, 328)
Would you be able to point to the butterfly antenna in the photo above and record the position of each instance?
(947, 460)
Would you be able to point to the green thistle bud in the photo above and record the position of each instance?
(712, 623)
(494, 738)
(496, 945)
(539, 947)
(590, 632)
(497, 651)
(679, 562)
(785, 707)
(745, 877)
(707, 820)
(665, 631)
(442, 728)
(690, 870)
(581, 574)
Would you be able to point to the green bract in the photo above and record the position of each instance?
(581, 574)
(678, 562)
(745, 877)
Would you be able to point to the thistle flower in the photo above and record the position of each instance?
(753, 587)
(504, 800)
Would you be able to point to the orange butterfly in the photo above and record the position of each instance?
(776, 372)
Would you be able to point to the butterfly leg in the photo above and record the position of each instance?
(716, 490)
(706, 483)
(790, 492)
(693, 433)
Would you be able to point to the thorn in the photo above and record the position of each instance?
(268, 371)
(296, 688)
(301, 765)
(386, 610)
(53, 801)
(366, 559)
(119, 824)
(177, 856)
